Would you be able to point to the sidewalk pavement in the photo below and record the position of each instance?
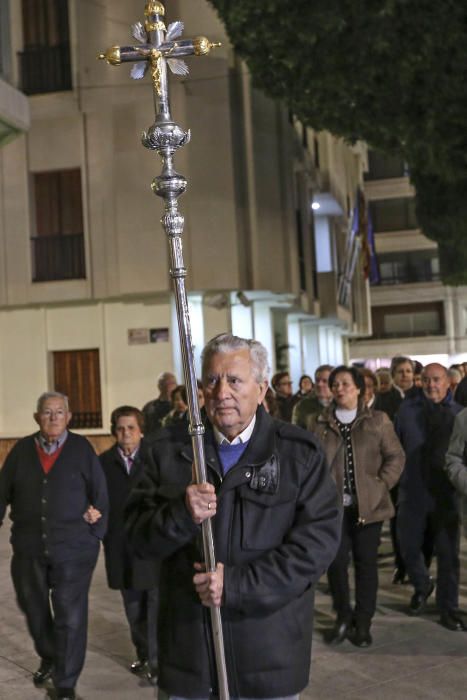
(411, 658)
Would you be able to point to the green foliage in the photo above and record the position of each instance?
(389, 72)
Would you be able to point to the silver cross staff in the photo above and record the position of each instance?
(158, 47)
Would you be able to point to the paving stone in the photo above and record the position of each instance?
(411, 658)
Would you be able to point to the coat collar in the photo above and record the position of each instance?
(261, 445)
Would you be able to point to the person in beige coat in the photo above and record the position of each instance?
(366, 460)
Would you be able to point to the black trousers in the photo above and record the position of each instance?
(141, 608)
(428, 544)
(444, 525)
(54, 599)
(362, 541)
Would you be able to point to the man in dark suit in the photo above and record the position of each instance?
(424, 424)
(56, 490)
(135, 577)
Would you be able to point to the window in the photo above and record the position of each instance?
(58, 244)
(410, 320)
(383, 167)
(300, 248)
(45, 61)
(393, 214)
(77, 374)
(404, 268)
(5, 63)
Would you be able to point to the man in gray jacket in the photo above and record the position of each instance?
(456, 456)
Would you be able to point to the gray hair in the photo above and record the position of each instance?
(51, 395)
(162, 378)
(226, 342)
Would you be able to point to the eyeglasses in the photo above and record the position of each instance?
(284, 383)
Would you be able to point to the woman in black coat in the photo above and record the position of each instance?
(136, 578)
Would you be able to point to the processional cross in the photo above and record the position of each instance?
(158, 48)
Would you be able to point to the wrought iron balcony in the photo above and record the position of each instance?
(58, 257)
(86, 419)
(407, 277)
(45, 69)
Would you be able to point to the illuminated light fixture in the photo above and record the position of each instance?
(325, 204)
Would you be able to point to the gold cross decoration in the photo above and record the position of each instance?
(157, 47)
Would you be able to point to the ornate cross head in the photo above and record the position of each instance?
(157, 47)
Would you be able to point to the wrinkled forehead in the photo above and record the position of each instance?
(53, 403)
(435, 373)
(403, 367)
(234, 362)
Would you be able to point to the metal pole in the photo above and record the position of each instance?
(157, 48)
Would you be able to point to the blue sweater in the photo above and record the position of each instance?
(230, 454)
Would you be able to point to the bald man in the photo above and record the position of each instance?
(426, 497)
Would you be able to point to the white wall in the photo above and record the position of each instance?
(128, 372)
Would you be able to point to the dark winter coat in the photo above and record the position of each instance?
(276, 530)
(305, 410)
(124, 568)
(47, 509)
(154, 413)
(424, 429)
(377, 455)
(388, 402)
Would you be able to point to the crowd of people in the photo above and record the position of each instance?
(299, 485)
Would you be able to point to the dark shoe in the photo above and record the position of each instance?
(418, 601)
(152, 676)
(398, 576)
(339, 632)
(43, 673)
(361, 636)
(138, 666)
(452, 621)
(65, 693)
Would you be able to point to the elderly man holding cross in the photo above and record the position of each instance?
(275, 518)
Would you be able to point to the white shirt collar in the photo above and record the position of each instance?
(244, 436)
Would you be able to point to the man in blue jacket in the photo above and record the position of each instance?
(426, 497)
(55, 487)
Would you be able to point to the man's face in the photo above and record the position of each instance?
(128, 433)
(231, 392)
(435, 382)
(403, 376)
(284, 387)
(168, 385)
(52, 418)
(321, 385)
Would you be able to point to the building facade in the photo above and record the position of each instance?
(413, 313)
(85, 297)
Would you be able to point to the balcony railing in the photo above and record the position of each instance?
(58, 258)
(86, 419)
(408, 278)
(45, 69)
(409, 333)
